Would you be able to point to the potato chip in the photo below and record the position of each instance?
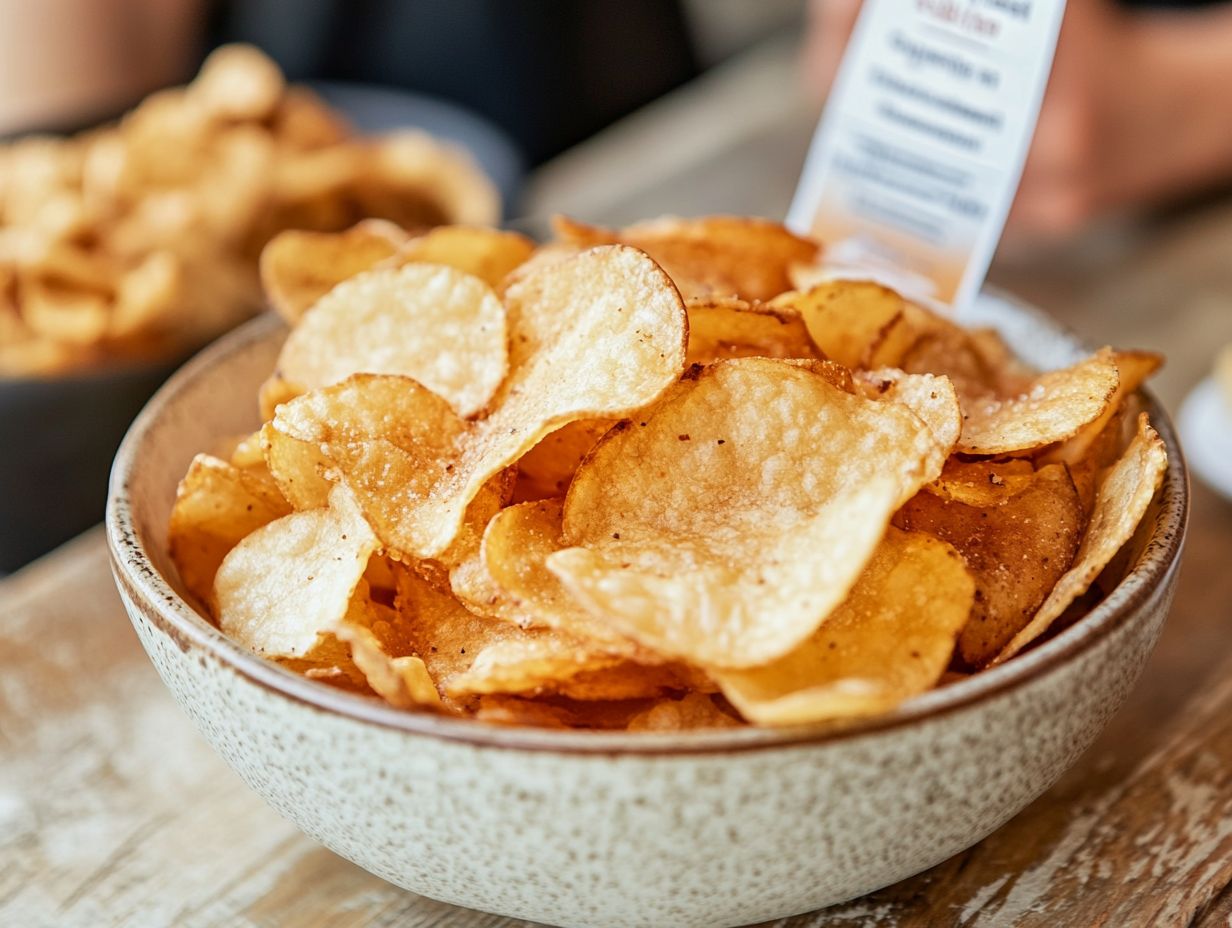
(413, 162)
(1053, 408)
(1133, 369)
(402, 680)
(216, 507)
(489, 254)
(711, 256)
(601, 335)
(933, 400)
(63, 313)
(982, 484)
(1122, 500)
(362, 325)
(889, 640)
(559, 712)
(727, 328)
(146, 296)
(546, 469)
(516, 546)
(237, 82)
(291, 581)
(1015, 548)
(846, 319)
(300, 267)
(724, 526)
(692, 711)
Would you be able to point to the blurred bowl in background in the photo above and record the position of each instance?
(58, 434)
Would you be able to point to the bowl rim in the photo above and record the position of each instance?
(142, 582)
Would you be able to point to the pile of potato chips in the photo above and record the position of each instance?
(141, 239)
(630, 479)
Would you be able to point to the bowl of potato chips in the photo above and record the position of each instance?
(125, 248)
(647, 576)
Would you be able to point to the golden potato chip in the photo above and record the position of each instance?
(489, 254)
(546, 469)
(299, 267)
(889, 640)
(415, 162)
(543, 257)
(237, 82)
(847, 319)
(291, 581)
(1133, 369)
(1054, 407)
(1122, 500)
(1016, 549)
(363, 325)
(402, 680)
(558, 712)
(216, 507)
(728, 328)
(516, 546)
(692, 711)
(63, 313)
(547, 664)
(933, 400)
(146, 296)
(710, 256)
(601, 335)
(724, 526)
(982, 484)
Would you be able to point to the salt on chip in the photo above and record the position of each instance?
(728, 328)
(291, 581)
(724, 526)
(216, 507)
(598, 335)
(299, 267)
(889, 640)
(1016, 549)
(489, 254)
(444, 328)
(1122, 500)
(1054, 407)
(710, 256)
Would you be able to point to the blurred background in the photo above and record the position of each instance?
(608, 110)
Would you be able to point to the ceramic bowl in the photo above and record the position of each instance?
(615, 829)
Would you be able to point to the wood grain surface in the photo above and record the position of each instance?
(113, 811)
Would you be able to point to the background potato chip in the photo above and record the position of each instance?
(1122, 500)
(444, 328)
(891, 639)
(846, 319)
(725, 525)
(1016, 550)
(489, 254)
(727, 328)
(299, 267)
(710, 256)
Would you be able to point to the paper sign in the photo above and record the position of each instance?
(917, 158)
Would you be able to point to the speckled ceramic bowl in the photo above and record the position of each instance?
(587, 828)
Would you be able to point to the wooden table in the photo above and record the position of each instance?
(114, 812)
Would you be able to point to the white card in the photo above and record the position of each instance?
(917, 158)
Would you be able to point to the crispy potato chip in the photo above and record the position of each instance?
(694, 710)
(1133, 369)
(300, 267)
(711, 256)
(933, 400)
(216, 507)
(725, 526)
(401, 680)
(891, 639)
(291, 581)
(602, 335)
(363, 325)
(982, 484)
(489, 254)
(846, 319)
(1016, 549)
(516, 546)
(727, 328)
(1053, 408)
(543, 257)
(546, 469)
(1122, 500)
